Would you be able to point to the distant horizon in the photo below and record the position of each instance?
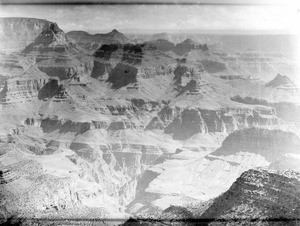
(163, 18)
(176, 31)
(189, 31)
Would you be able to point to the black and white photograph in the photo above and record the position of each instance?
(149, 112)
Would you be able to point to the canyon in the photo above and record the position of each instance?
(112, 127)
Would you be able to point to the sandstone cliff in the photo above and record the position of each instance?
(16, 33)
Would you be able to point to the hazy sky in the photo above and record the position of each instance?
(161, 17)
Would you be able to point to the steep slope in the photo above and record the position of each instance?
(17, 32)
(272, 144)
(258, 195)
(51, 39)
(55, 55)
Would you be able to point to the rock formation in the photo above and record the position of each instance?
(163, 45)
(279, 80)
(273, 144)
(186, 46)
(16, 32)
(258, 195)
(116, 129)
(92, 42)
(52, 39)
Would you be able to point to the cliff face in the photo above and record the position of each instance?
(258, 194)
(184, 123)
(272, 144)
(16, 33)
(21, 90)
(51, 39)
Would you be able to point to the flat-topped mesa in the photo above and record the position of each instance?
(17, 32)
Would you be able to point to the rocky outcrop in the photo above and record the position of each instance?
(205, 47)
(57, 56)
(288, 111)
(151, 72)
(52, 39)
(183, 123)
(250, 100)
(62, 72)
(272, 144)
(133, 54)
(48, 125)
(106, 50)
(258, 195)
(49, 90)
(180, 71)
(121, 125)
(17, 32)
(21, 90)
(186, 125)
(101, 70)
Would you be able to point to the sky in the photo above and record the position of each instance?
(140, 17)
